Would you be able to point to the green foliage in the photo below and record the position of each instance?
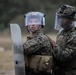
(2, 27)
(10, 9)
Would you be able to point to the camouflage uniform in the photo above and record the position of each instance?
(37, 45)
(65, 52)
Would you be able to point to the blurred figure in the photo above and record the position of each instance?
(65, 48)
(37, 47)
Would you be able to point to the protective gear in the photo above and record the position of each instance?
(40, 18)
(75, 23)
(57, 26)
(40, 63)
(65, 11)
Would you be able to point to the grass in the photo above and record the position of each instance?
(6, 60)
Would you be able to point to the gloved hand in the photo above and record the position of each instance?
(61, 41)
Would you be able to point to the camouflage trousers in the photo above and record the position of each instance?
(63, 72)
(73, 72)
(30, 71)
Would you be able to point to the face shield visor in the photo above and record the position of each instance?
(58, 24)
(74, 23)
(34, 18)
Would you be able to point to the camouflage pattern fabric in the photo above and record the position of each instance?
(66, 48)
(65, 52)
(38, 53)
(66, 9)
(37, 45)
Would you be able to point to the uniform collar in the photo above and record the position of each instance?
(37, 34)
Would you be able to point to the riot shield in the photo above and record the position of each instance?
(17, 48)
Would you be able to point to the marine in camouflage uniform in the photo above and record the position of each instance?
(37, 47)
(65, 49)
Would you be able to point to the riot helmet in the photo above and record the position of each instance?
(40, 18)
(65, 11)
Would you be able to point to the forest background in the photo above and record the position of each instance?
(12, 11)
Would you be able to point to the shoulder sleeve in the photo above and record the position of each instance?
(68, 52)
(32, 45)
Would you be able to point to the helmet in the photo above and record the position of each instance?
(35, 15)
(65, 11)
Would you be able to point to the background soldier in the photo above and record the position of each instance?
(65, 50)
(37, 47)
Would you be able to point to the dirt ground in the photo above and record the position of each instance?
(6, 54)
(9, 72)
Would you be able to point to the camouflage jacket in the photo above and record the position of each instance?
(65, 50)
(37, 45)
